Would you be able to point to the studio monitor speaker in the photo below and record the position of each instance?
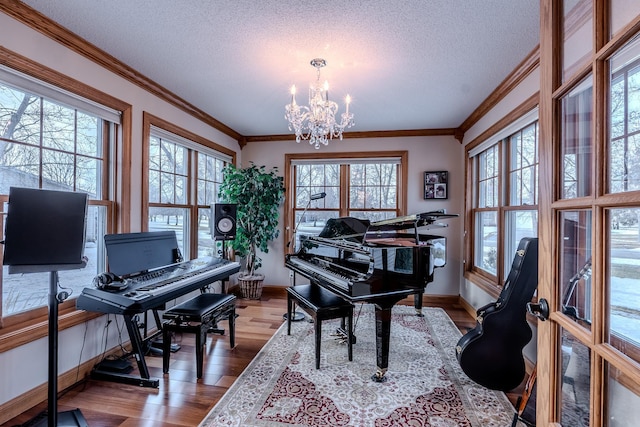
(224, 221)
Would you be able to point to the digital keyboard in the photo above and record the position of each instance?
(151, 290)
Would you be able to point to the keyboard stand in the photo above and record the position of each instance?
(138, 350)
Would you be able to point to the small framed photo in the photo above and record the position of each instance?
(435, 185)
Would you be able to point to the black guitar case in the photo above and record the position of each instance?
(491, 353)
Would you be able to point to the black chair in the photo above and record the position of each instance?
(321, 305)
(198, 315)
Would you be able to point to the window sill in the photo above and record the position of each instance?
(21, 333)
(484, 283)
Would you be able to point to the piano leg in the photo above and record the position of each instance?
(417, 303)
(383, 334)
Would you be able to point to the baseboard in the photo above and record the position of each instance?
(467, 307)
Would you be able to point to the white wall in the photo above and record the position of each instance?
(25, 367)
(425, 153)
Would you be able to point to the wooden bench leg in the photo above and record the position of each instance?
(232, 327)
(166, 348)
(318, 327)
(201, 340)
(350, 335)
(289, 314)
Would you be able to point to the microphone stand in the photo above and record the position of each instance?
(298, 316)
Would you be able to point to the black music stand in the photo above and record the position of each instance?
(45, 232)
(297, 315)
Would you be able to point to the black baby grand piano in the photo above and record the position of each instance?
(380, 263)
(153, 273)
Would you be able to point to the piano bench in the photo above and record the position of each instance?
(198, 316)
(320, 304)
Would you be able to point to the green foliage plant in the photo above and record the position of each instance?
(258, 193)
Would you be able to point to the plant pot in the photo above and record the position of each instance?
(251, 286)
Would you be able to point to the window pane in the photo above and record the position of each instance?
(57, 170)
(371, 186)
(154, 186)
(19, 165)
(206, 245)
(575, 266)
(523, 148)
(356, 199)
(576, 112)
(167, 188)
(317, 175)
(518, 224)
(172, 219)
(314, 179)
(209, 176)
(487, 241)
(19, 115)
(89, 176)
(58, 126)
(575, 381)
(577, 32)
(624, 276)
(181, 190)
(488, 169)
(624, 119)
(622, 400)
(622, 12)
(89, 135)
(167, 156)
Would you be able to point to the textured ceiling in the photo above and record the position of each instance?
(408, 64)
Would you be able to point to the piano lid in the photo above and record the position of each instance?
(410, 221)
(345, 228)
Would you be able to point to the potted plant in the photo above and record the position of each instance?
(258, 193)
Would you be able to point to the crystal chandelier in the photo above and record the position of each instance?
(317, 122)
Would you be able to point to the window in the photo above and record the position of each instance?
(505, 197)
(51, 139)
(183, 175)
(366, 188)
(623, 220)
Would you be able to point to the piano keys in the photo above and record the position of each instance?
(153, 289)
(379, 263)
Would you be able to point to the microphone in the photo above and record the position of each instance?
(316, 196)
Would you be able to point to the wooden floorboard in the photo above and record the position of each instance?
(181, 400)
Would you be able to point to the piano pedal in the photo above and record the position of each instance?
(216, 330)
(342, 336)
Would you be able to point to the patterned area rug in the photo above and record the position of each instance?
(425, 385)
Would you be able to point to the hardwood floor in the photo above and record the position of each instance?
(181, 400)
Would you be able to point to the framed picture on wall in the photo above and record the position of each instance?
(435, 185)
